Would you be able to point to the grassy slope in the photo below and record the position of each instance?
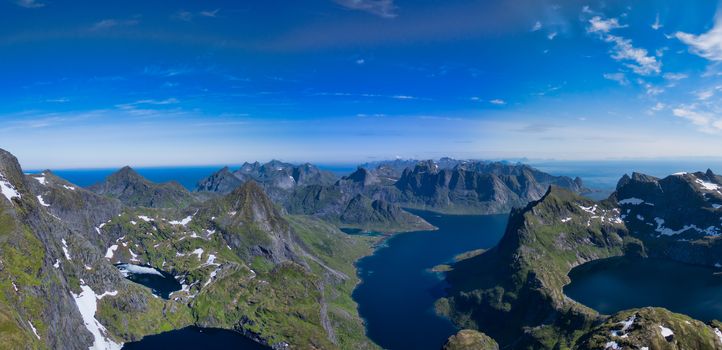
(521, 279)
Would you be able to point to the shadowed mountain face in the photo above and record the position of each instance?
(132, 189)
(521, 279)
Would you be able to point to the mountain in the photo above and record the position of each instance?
(132, 189)
(475, 187)
(276, 177)
(521, 279)
(345, 204)
(223, 181)
(285, 281)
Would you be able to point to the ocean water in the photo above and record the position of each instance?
(603, 175)
(616, 284)
(397, 293)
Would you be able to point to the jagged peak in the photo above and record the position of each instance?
(623, 181)
(640, 177)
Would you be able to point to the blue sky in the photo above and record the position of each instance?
(149, 83)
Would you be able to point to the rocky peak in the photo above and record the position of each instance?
(361, 177)
(251, 203)
(134, 190)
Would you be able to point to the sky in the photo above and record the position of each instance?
(159, 83)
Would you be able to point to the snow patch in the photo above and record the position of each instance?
(112, 294)
(8, 189)
(183, 222)
(199, 252)
(611, 345)
(127, 269)
(57, 263)
(87, 302)
(69, 187)
(109, 252)
(40, 179)
(718, 333)
(632, 201)
(566, 219)
(145, 218)
(666, 332)
(65, 249)
(42, 202)
(590, 210)
(709, 186)
(35, 331)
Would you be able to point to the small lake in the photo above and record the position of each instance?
(616, 284)
(161, 283)
(195, 338)
(398, 290)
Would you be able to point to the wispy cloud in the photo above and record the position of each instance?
(657, 25)
(30, 4)
(705, 121)
(620, 78)
(637, 59)
(537, 26)
(381, 8)
(600, 25)
(707, 45)
(188, 16)
(498, 102)
(111, 23)
(208, 13)
(675, 76)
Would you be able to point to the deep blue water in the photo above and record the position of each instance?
(617, 284)
(398, 291)
(194, 338)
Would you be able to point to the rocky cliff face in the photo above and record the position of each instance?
(475, 187)
(132, 189)
(275, 177)
(521, 279)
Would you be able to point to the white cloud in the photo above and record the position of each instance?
(404, 97)
(30, 4)
(706, 122)
(360, 61)
(110, 23)
(658, 107)
(537, 26)
(618, 77)
(707, 45)
(381, 8)
(656, 25)
(704, 94)
(650, 89)
(552, 35)
(497, 102)
(637, 59)
(208, 13)
(675, 76)
(600, 25)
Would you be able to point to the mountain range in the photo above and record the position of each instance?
(521, 279)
